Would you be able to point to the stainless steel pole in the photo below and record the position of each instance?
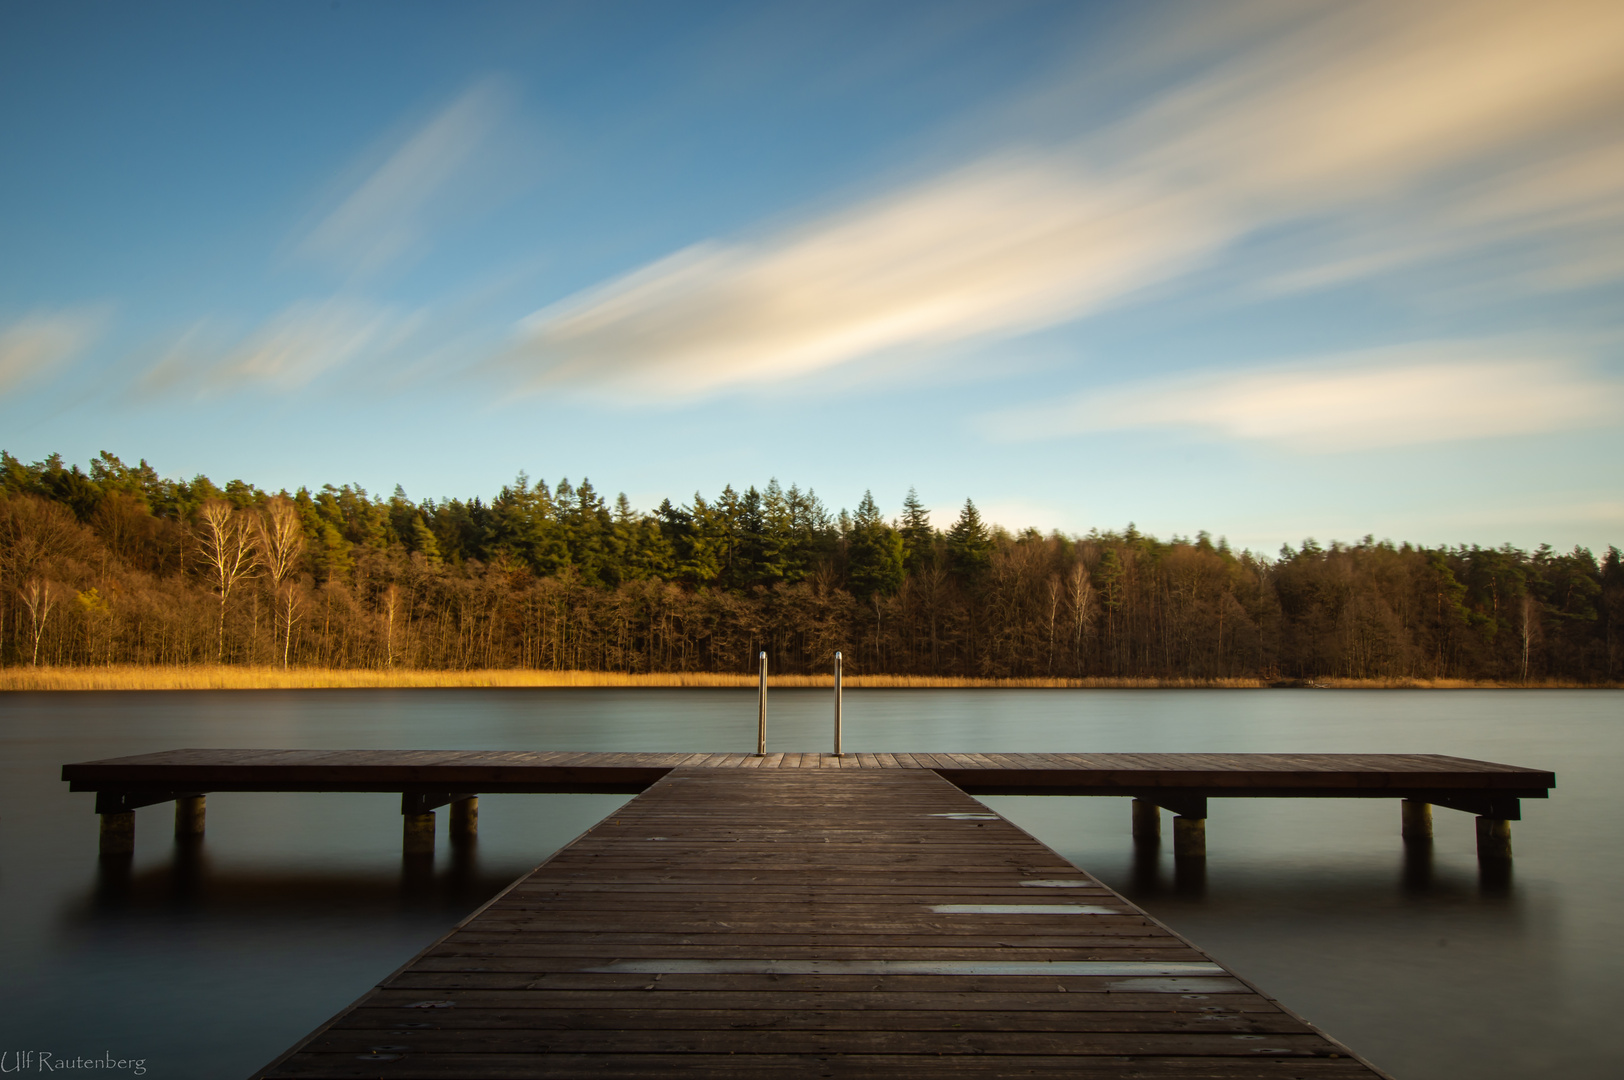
(761, 711)
(837, 706)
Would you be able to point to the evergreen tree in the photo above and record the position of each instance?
(874, 552)
(918, 538)
(564, 579)
(969, 547)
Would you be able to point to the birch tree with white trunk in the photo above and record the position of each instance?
(228, 554)
(280, 540)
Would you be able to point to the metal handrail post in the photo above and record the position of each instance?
(761, 711)
(837, 706)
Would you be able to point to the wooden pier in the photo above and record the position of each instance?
(813, 915)
(1180, 783)
(796, 919)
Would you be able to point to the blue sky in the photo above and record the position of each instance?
(1273, 270)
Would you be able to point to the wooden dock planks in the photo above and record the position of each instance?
(1281, 775)
(812, 922)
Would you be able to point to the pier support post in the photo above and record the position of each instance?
(1415, 819)
(465, 820)
(1189, 837)
(189, 815)
(118, 833)
(1147, 820)
(1493, 838)
(417, 837)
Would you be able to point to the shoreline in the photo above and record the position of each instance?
(229, 677)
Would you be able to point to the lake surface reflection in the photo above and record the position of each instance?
(208, 959)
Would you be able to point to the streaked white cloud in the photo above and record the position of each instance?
(1370, 99)
(1011, 244)
(387, 216)
(1388, 397)
(1574, 516)
(302, 343)
(1323, 115)
(39, 343)
(1555, 223)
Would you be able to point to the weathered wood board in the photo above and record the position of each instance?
(813, 922)
(1429, 777)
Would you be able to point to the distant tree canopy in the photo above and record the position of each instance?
(119, 565)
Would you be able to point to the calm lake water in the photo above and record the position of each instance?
(208, 964)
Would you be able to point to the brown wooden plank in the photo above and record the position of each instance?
(853, 1066)
(986, 1002)
(629, 956)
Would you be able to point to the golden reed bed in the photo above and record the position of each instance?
(217, 677)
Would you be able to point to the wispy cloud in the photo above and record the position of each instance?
(1321, 116)
(1553, 224)
(386, 216)
(304, 342)
(38, 344)
(1389, 397)
(1011, 244)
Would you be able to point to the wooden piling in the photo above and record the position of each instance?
(118, 833)
(465, 820)
(1147, 820)
(1415, 819)
(1189, 837)
(1179, 783)
(1493, 838)
(189, 815)
(417, 837)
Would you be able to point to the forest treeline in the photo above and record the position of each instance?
(118, 565)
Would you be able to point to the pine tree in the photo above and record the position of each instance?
(874, 552)
(969, 546)
(918, 538)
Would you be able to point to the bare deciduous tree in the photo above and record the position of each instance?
(391, 604)
(228, 554)
(35, 535)
(289, 597)
(1082, 596)
(1054, 612)
(34, 532)
(39, 596)
(1527, 629)
(279, 536)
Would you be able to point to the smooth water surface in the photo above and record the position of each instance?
(208, 961)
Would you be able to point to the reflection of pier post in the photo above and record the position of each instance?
(1190, 877)
(1415, 826)
(1417, 865)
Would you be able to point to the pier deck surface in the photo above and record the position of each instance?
(812, 922)
(1427, 777)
